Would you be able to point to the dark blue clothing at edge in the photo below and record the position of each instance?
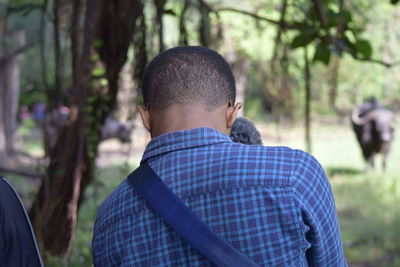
(18, 246)
(274, 204)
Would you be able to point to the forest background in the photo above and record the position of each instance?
(301, 67)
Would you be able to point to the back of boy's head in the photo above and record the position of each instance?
(186, 75)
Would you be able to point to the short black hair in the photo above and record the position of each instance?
(188, 74)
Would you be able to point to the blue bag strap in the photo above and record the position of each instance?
(178, 216)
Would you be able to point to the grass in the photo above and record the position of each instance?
(367, 202)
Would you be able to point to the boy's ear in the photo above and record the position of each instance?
(146, 117)
(231, 114)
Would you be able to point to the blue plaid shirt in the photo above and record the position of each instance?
(274, 204)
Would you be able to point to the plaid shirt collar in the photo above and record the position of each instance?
(182, 140)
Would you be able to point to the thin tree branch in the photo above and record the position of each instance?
(307, 108)
(207, 6)
(183, 40)
(75, 36)
(378, 61)
(57, 51)
(320, 12)
(283, 24)
(278, 36)
(6, 57)
(43, 46)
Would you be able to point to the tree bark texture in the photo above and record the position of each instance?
(54, 211)
(183, 35)
(279, 83)
(59, 20)
(159, 4)
(240, 69)
(307, 104)
(205, 26)
(9, 94)
(333, 81)
(139, 44)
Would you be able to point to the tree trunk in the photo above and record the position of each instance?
(183, 35)
(240, 70)
(333, 81)
(335, 64)
(55, 96)
(240, 65)
(139, 44)
(205, 26)
(279, 83)
(159, 23)
(54, 211)
(9, 95)
(307, 111)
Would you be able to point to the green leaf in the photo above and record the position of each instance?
(95, 57)
(302, 40)
(333, 19)
(364, 48)
(169, 12)
(322, 53)
(347, 16)
(92, 99)
(98, 71)
(103, 82)
(350, 45)
(98, 43)
(393, 2)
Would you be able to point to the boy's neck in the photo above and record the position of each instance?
(185, 117)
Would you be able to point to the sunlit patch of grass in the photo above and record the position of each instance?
(31, 138)
(369, 217)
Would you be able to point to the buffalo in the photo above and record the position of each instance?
(373, 126)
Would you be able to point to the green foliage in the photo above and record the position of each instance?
(254, 109)
(98, 43)
(98, 71)
(364, 48)
(170, 12)
(303, 39)
(334, 33)
(94, 57)
(30, 97)
(322, 53)
(334, 18)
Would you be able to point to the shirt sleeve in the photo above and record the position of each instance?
(313, 194)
